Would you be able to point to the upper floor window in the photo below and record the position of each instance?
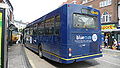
(105, 17)
(105, 3)
(84, 1)
(74, 2)
(90, 5)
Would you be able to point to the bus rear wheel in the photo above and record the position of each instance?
(40, 52)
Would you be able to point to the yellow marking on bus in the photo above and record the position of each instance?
(71, 58)
(93, 12)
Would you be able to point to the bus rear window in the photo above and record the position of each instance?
(85, 21)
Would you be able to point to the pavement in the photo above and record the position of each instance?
(110, 52)
(17, 57)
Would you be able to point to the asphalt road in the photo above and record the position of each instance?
(107, 61)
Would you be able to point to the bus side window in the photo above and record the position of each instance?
(31, 31)
(57, 25)
(40, 28)
(35, 30)
(49, 26)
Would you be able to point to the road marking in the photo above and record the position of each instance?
(108, 62)
(32, 64)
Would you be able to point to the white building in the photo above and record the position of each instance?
(20, 24)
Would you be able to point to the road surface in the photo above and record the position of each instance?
(107, 61)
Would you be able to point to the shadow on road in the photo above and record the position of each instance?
(81, 64)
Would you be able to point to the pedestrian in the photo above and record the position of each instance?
(115, 42)
(106, 41)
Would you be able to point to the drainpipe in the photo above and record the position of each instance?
(118, 13)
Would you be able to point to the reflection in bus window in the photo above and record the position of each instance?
(49, 26)
(57, 25)
(84, 21)
(40, 28)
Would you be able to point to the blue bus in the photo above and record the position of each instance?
(71, 33)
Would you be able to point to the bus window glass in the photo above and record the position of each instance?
(57, 25)
(35, 31)
(27, 31)
(84, 21)
(49, 26)
(40, 28)
(31, 31)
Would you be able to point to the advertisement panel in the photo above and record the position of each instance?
(0, 37)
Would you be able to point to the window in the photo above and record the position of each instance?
(27, 31)
(57, 25)
(49, 26)
(84, 21)
(109, 2)
(90, 5)
(105, 3)
(100, 4)
(74, 2)
(40, 28)
(118, 37)
(84, 1)
(31, 31)
(106, 17)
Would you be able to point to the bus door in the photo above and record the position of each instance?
(84, 34)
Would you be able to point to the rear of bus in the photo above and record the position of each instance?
(83, 33)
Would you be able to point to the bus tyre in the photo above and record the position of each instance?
(40, 52)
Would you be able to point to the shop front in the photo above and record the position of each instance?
(112, 33)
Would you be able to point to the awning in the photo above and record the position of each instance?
(110, 30)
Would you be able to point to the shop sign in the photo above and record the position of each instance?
(110, 26)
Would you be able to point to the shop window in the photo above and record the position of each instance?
(118, 38)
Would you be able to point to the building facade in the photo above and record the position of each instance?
(6, 19)
(110, 16)
(20, 24)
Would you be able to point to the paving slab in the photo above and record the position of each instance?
(17, 57)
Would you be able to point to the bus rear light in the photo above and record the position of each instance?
(70, 52)
(100, 48)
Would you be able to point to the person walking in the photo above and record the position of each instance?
(115, 44)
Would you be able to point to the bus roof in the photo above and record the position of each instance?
(44, 17)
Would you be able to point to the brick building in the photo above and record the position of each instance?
(110, 16)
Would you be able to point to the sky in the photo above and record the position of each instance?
(30, 10)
